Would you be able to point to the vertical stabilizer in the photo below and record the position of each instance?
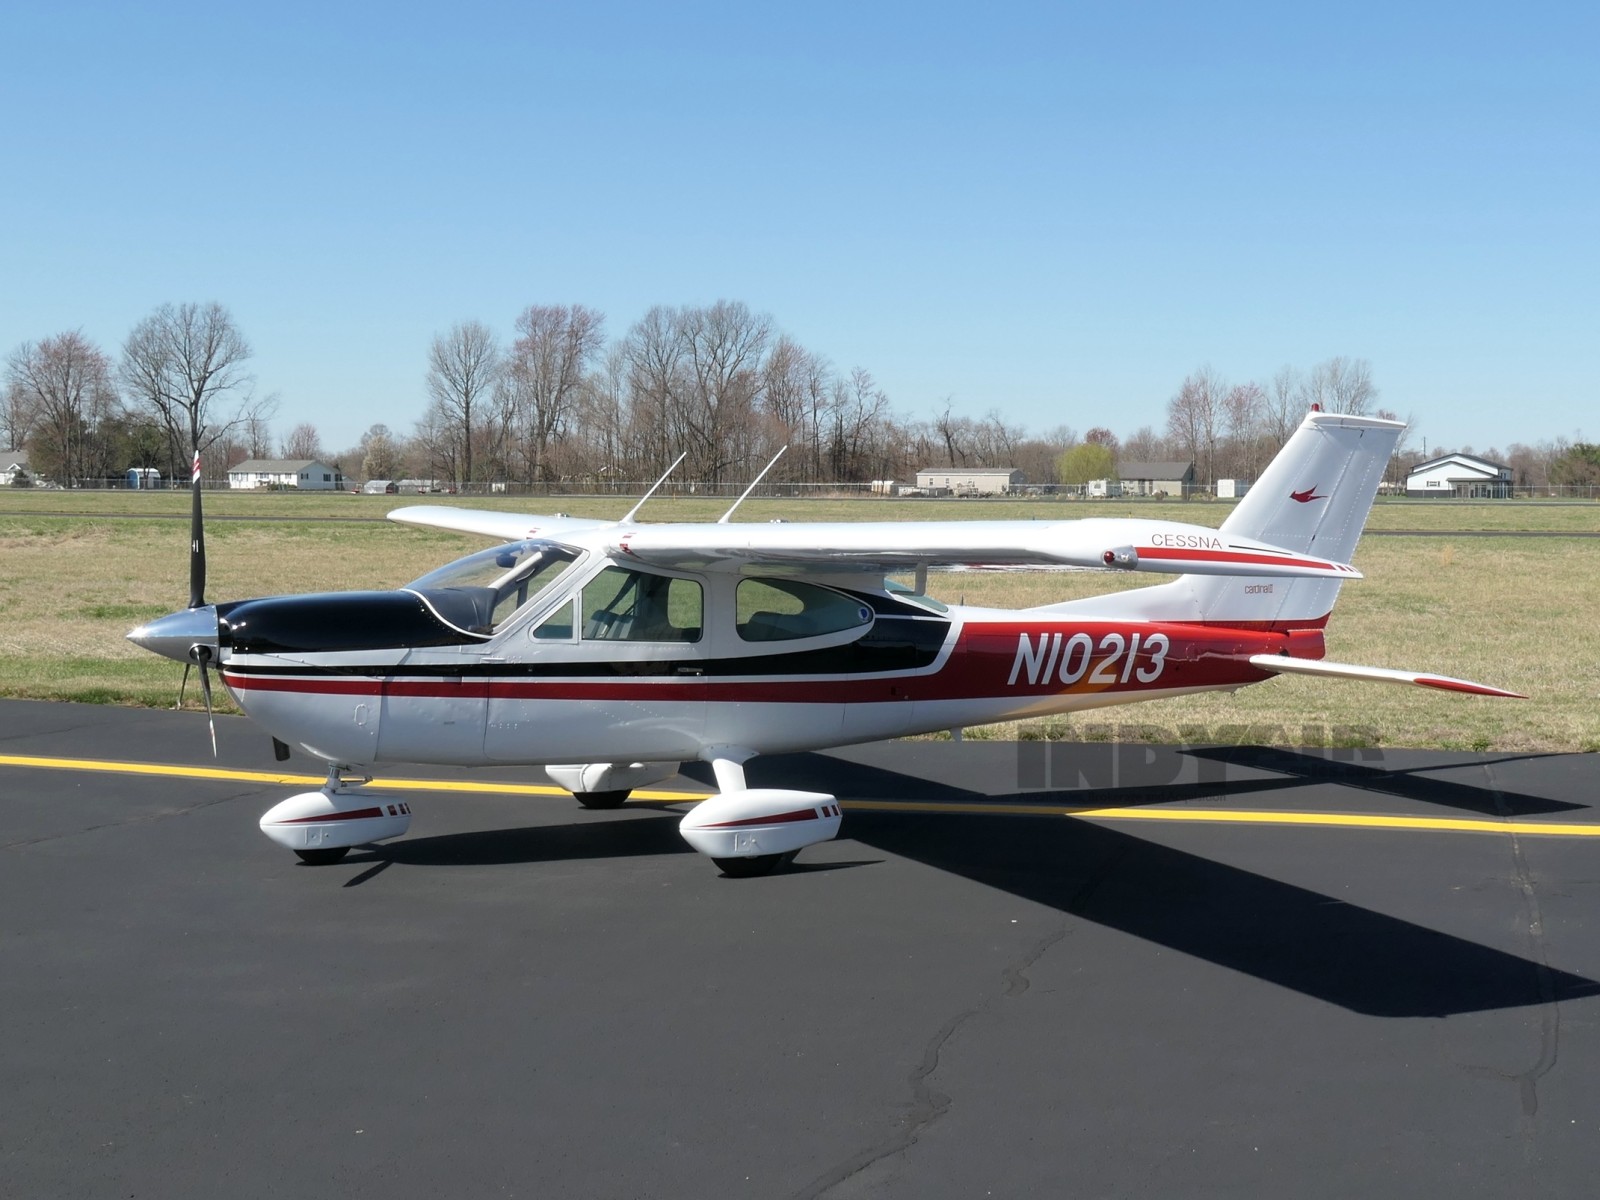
(1313, 498)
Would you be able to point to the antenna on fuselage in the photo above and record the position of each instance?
(723, 519)
(625, 520)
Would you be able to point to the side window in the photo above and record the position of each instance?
(779, 610)
(619, 605)
(557, 627)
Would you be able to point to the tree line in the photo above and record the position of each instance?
(559, 404)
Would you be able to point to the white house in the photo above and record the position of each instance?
(12, 464)
(307, 474)
(1459, 475)
(972, 481)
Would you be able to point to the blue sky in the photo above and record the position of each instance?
(1054, 210)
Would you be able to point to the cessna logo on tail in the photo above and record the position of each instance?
(1307, 496)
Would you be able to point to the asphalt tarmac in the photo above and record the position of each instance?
(1262, 973)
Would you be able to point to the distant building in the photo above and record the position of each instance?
(971, 481)
(380, 487)
(143, 477)
(1459, 475)
(307, 474)
(1156, 478)
(12, 464)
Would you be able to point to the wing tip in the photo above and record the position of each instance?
(1446, 684)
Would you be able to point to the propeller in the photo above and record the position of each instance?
(197, 542)
(199, 654)
(190, 636)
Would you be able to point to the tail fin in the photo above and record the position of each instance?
(1313, 498)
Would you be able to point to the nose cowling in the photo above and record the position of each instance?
(175, 634)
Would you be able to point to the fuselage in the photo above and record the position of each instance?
(574, 674)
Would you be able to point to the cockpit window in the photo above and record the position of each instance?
(778, 610)
(477, 593)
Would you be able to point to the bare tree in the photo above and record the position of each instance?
(303, 442)
(255, 429)
(603, 420)
(543, 374)
(796, 392)
(1284, 407)
(380, 454)
(1342, 385)
(463, 368)
(16, 417)
(1243, 411)
(1144, 444)
(955, 432)
(1101, 436)
(65, 383)
(694, 383)
(860, 408)
(723, 349)
(1194, 419)
(185, 364)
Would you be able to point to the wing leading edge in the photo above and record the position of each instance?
(507, 526)
(1099, 544)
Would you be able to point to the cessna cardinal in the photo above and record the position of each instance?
(610, 652)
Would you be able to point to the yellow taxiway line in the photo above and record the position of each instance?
(1217, 816)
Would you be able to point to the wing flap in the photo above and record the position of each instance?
(1332, 670)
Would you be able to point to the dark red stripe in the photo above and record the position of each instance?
(358, 814)
(1472, 689)
(1230, 556)
(799, 814)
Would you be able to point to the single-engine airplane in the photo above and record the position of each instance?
(611, 652)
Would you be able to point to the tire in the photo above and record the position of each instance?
(754, 866)
(614, 799)
(322, 857)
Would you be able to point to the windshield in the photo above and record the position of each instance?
(478, 592)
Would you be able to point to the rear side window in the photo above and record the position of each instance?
(780, 610)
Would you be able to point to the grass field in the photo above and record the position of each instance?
(1513, 611)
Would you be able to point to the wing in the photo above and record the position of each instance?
(1317, 666)
(507, 526)
(878, 546)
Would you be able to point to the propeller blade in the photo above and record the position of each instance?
(203, 656)
(197, 546)
(184, 686)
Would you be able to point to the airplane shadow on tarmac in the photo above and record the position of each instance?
(1294, 937)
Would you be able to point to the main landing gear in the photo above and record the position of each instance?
(745, 831)
(321, 826)
(615, 798)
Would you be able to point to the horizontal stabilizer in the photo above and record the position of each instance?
(1332, 670)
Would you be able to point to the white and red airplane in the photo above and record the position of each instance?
(611, 652)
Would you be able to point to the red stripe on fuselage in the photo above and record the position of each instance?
(981, 664)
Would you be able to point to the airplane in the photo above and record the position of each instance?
(610, 653)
